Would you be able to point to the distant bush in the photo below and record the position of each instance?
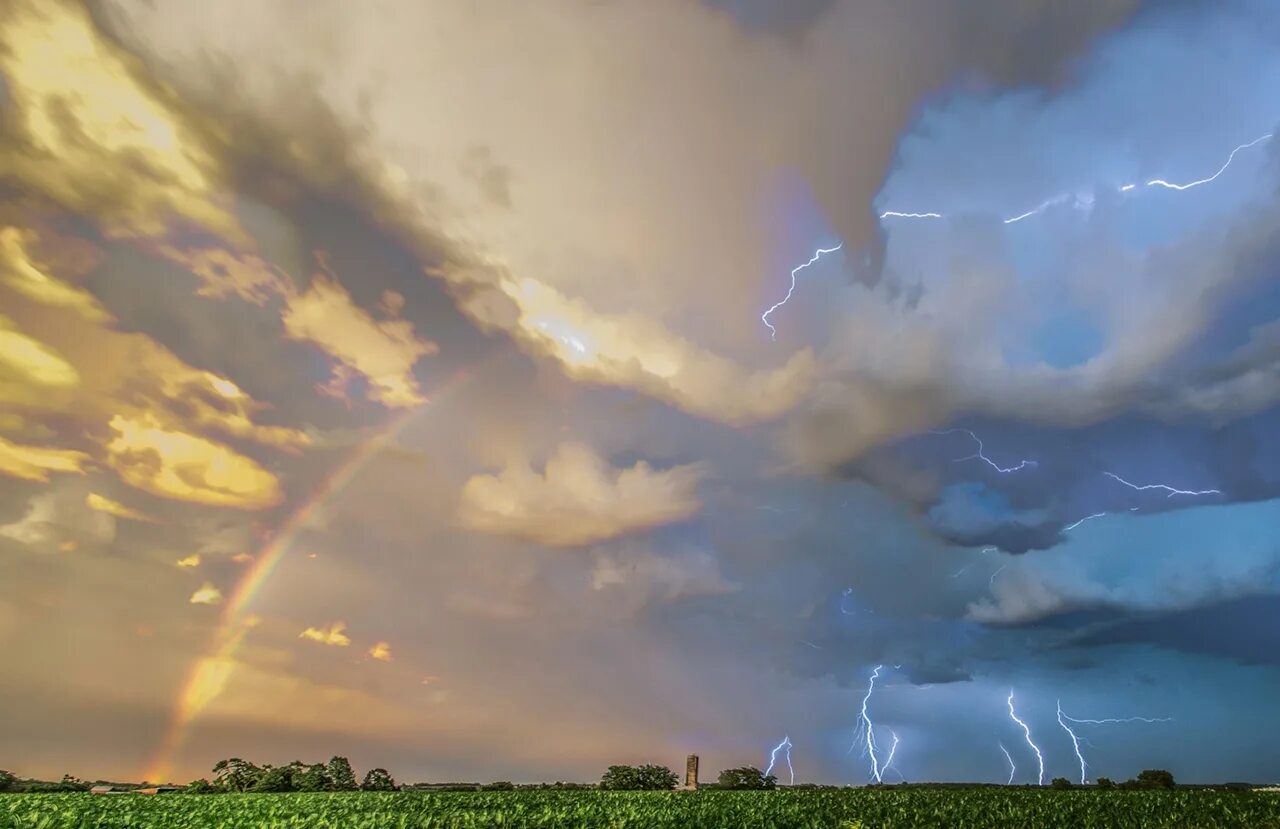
(639, 778)
(201, 786)
(746, 777)
(499, 786)
(1155, 779)
(1106, 783)
(1060, 783)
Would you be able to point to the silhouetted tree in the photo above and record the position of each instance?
(746, 777)
(200, 786)
(341, 777)
(1106, 783)
(499, 786)
(8, 780)
(1060, 783)
(274, 779)
(647, 777)
(1155, 779)
(378, 780)
(312, 777)
(236, 775)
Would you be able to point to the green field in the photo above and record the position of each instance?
(957, 808)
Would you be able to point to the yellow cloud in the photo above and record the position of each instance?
(637, 352)
(207, 594)
(86, 132)
(332, 636)
(103, 504)
(26, 362)
(192, 560)
(223, 273)
(578, 498)
(382, 651)
(175, 464)
(34, 463)
(383, 351)
(20, 273)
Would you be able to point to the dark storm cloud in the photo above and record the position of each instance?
(1242, 630)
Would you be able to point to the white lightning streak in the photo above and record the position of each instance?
(1155, 182)
(1159, 182)
(773, 332)
(1012, 768)
(1119, 720)
(889, 760)
(1071, 527)
(980, 454)
(1172, 491)
(1027, 733)
(870, 737)
(773, 758)
(1075, 743)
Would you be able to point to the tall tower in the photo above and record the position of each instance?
(691, 772)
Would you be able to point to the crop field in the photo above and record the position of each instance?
(781, 809)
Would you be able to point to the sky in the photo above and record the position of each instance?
(460, 388)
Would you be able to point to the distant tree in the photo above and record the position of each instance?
(1106, 783)
(8, 780)
(499, 786)
(341, 777)
(274, 779)
(378, 780)
(1130, 785)
(236, 775)
(746, 777)
(647, 777)
(1060, 783)
(1155, 779)
(312, 777)
(200, 786)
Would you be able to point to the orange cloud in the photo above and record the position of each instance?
(175, 464)
(332, 636)
(207, 594)
(103, 504)
(381, 651)
(34, 463)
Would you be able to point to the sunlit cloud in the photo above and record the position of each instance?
(27, 365)
(34, 463)
(192, 560)
(25, 277)
(332, 635)
(381, 651)
(207, 594)
(578, 498)
(103, 504)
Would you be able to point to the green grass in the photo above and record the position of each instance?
(869, 809)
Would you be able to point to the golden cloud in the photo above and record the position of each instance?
(19, 272)
(30, 368)
(333, 635)
(383, 351)
(381, 651)
(103, 504)
(175, 464)
(207, 594)
(578, 498)
(192, 560)
(85, 130)
(34, 463)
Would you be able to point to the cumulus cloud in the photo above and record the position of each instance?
(104, 504)
(59, 520)
(207, 594)
(332, 635)
(578, 498)
(634, 577)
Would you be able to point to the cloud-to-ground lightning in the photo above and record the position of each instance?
(1026, 731)
(785, 747)
(1165, 487)
(1075, 744)
(866, 732)
(1013, 769)
(981, 453)
(1063, 719)
(888, 761)
(773, 332)
(1085, 200)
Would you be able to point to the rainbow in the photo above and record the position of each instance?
(210, 674)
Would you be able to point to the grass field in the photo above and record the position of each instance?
(782, 809)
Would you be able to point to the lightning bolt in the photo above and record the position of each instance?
(1155, 182)
(889, 760)
(773, 758)
(773, 332)
(1171, 490)
(981, 453)
(1158, 182)
(1027, 733)
(1071, 527)
(1012, 768)
(868, 738)
(1075, 743)
(1063, 719)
